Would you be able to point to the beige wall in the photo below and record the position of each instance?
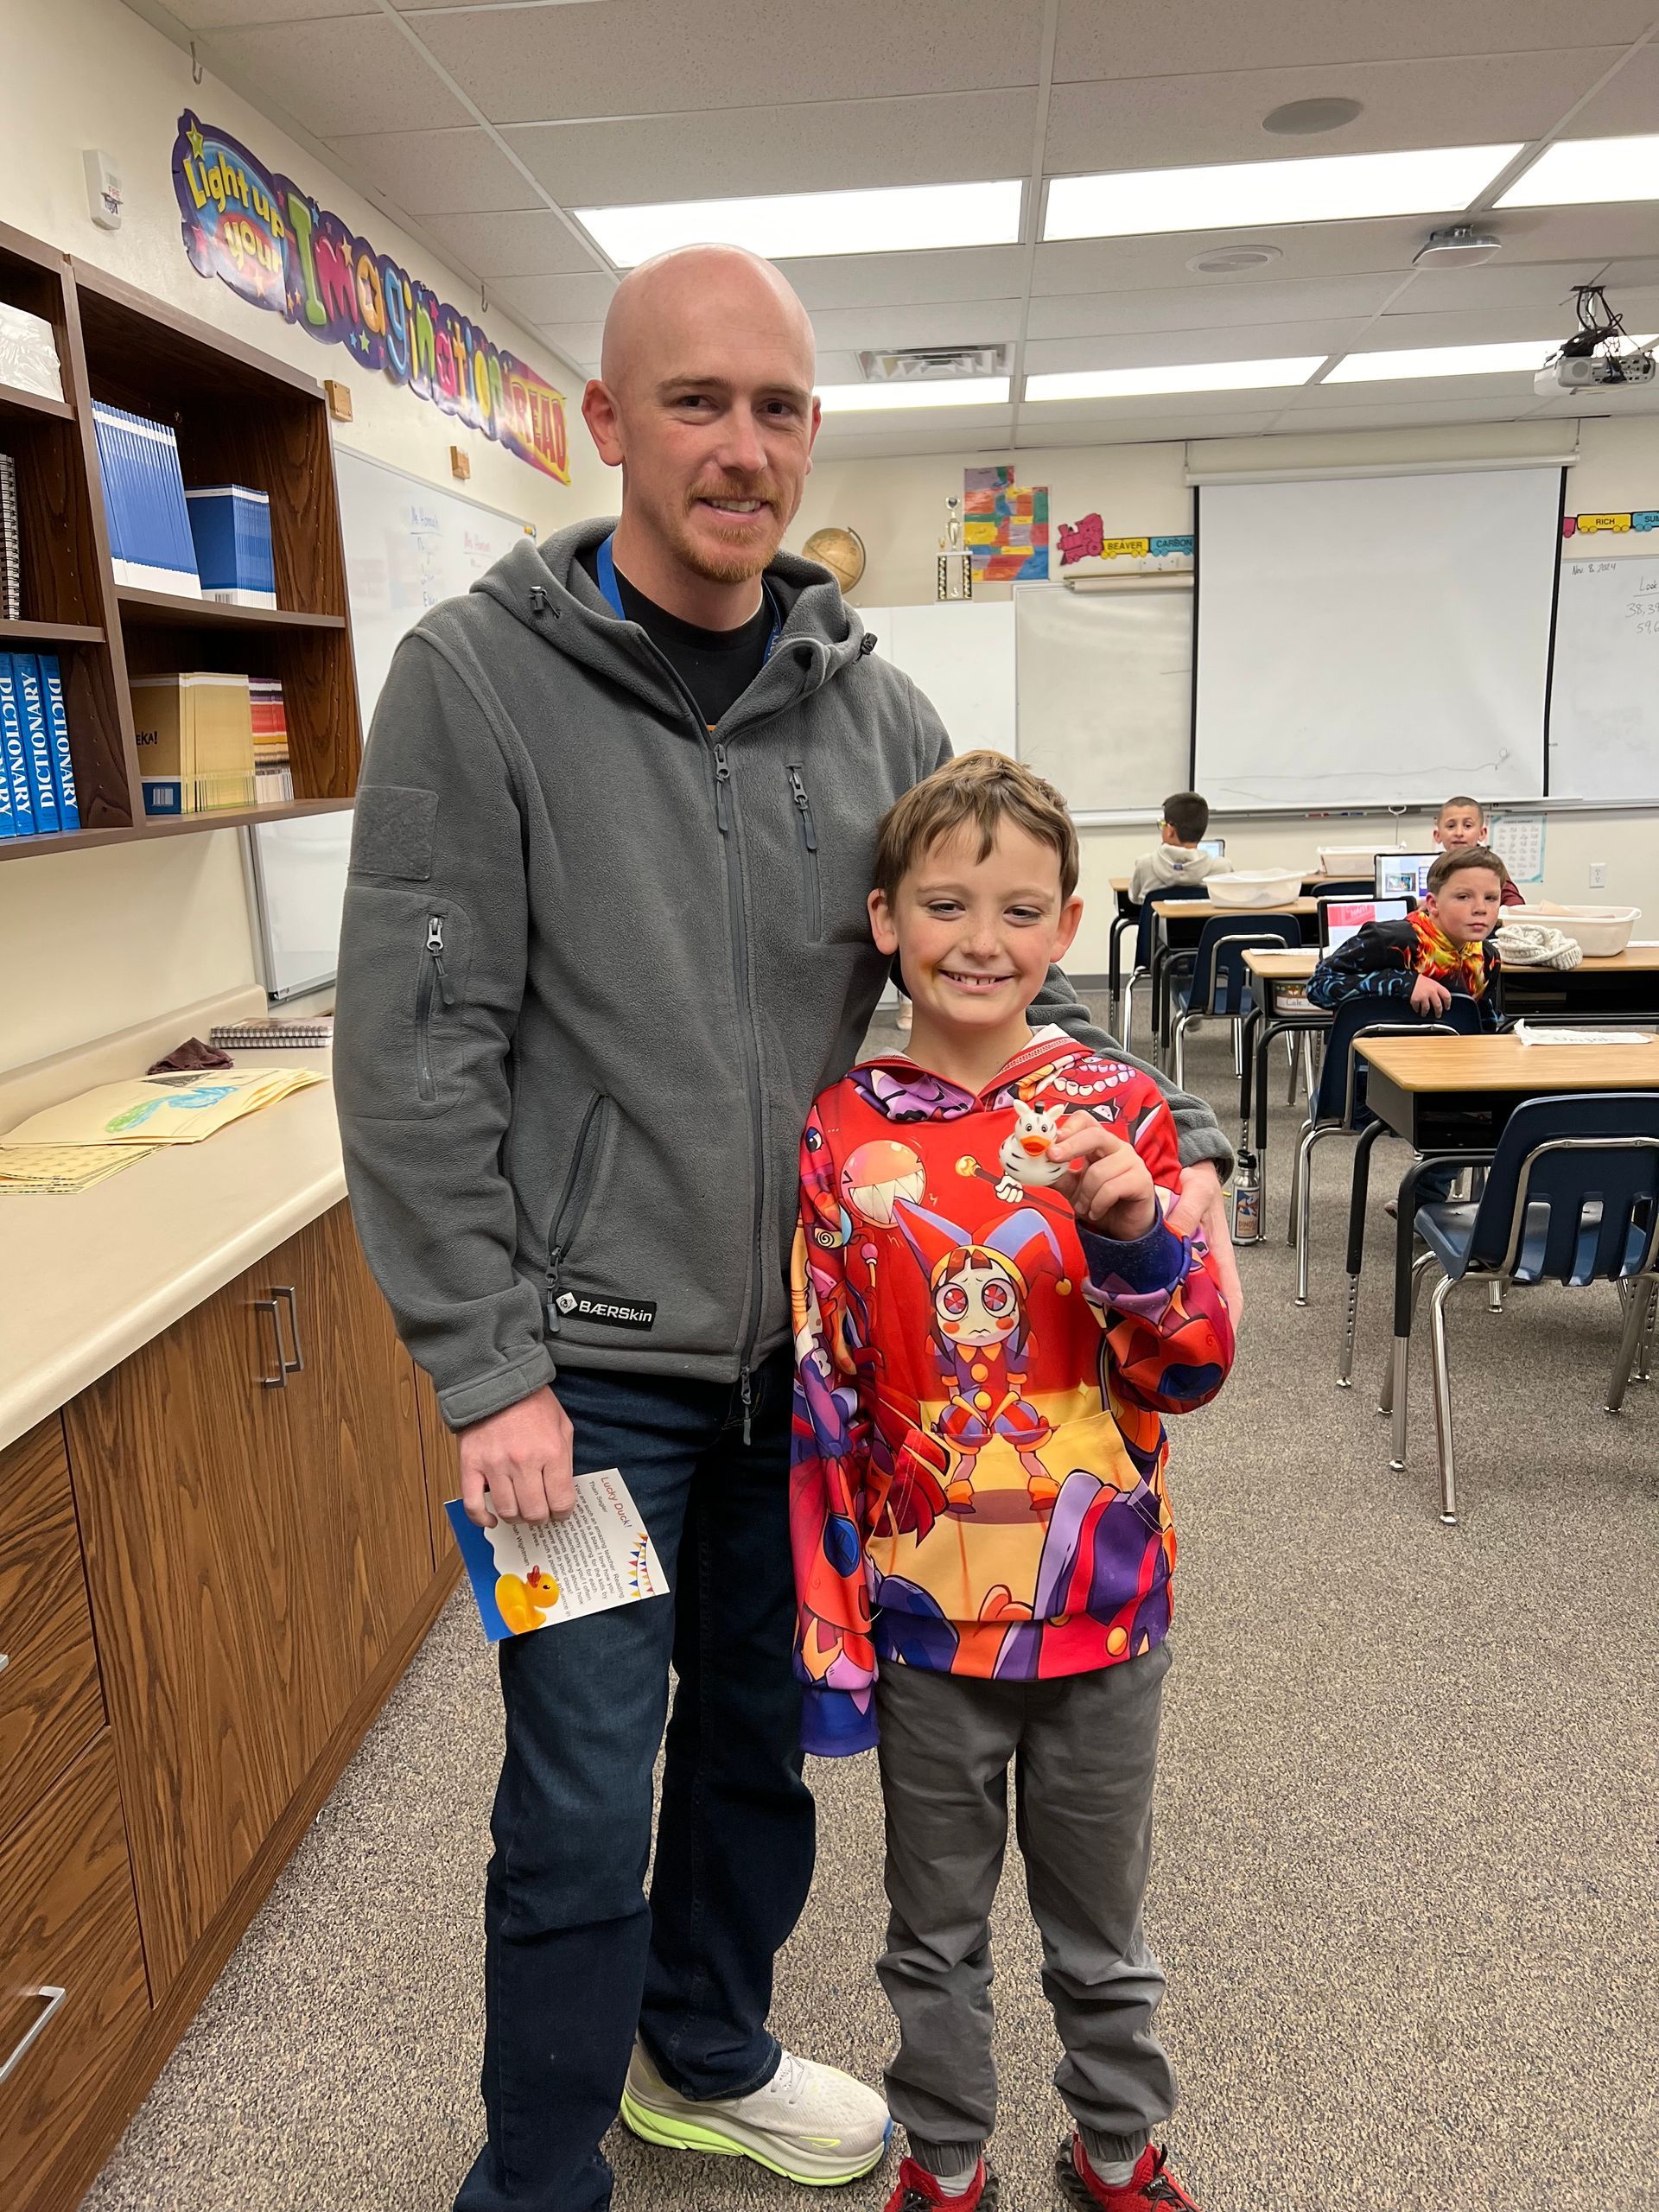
(115, 936)
(898, 509)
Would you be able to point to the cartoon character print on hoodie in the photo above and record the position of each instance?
(978, 1460)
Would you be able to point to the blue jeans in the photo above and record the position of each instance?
(576, 1960)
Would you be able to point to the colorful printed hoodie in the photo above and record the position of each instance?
(978, 1476)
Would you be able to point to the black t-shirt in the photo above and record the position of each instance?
(715, 666)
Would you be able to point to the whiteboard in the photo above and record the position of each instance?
(1374, 641)
(408, 545)
(1604, 709)
(1104, 684)
(298, 869)
(959, 654)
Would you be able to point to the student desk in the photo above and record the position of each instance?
(1454, 1094)
(1196, 913)
(1625, 983)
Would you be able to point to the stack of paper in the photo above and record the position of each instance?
(59, 1171)
(11, 574)
(150, 546)
(1534, 1033)
(156, 1110)
(230, 525)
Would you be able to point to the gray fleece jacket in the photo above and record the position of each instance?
(596, 962)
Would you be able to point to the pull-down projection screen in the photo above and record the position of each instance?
(1374, 641)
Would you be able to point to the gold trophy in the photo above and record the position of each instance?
(956, 566)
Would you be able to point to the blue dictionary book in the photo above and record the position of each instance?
(231, 526)
(37, 741)
(57, 722)
(14, 761)
(150, 546)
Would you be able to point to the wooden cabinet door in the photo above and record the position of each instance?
(73, 1996)
(357, 1449)
(51, 1706)
(198, 1561)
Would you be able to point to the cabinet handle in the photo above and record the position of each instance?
(54, 1999)
(279, 1380)
(285, 1292)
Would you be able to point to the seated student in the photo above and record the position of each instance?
(1460, 824)
(1439, 948)
(1177, 860)
(992, 1321)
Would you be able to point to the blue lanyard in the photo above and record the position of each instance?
(613, 597)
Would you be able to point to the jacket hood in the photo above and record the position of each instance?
(547, 588)
(927, 1097)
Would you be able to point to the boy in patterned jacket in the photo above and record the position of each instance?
(991, 1319)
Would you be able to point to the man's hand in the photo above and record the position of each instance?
(1203, 1204)
(1112, 1190)
(516, 1466)
(1429, 997)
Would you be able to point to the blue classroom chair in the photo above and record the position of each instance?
(1572, 1196)
(1220, 987)
(1146, 934)
(1339, 1108)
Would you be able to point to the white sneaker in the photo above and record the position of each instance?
(809, 2123)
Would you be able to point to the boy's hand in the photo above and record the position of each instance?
(1429, 997)
(1112, 1191)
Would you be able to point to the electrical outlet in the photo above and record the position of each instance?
(1597, 875)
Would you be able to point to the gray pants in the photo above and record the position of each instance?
(1084, 1751)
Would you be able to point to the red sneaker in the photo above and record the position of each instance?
(919, 2191)
(1149, 2187)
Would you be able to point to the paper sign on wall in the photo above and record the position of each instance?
(1006, 526)
(1518, 841)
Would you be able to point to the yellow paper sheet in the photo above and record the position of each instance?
(160, 1109)
(60, 1170)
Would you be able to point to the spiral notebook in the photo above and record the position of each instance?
(295, 1034)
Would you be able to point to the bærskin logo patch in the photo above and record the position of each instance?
(610, 1312)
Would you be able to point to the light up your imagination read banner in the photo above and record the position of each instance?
(256, 231)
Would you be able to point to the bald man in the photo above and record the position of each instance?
(605, 939)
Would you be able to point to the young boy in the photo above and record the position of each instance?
(1461, 824)
(991, 1319)
(1441, 948)
(1177, 859)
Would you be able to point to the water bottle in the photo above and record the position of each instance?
(1247, 1201)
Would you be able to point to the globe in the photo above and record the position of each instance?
(841, 551)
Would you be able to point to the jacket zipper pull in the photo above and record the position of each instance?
(550, 1294)
(746, 1392)
(803, 807)
(434, 946)
(722, 777)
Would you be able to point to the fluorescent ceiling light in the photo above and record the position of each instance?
(1527, 354)
(1188, 376)
(1574, 170)
(1323, 188)
(939, 391)
(791, 226)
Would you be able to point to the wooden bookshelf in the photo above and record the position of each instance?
(240, 418)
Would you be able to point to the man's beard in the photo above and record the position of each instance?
(737, 563)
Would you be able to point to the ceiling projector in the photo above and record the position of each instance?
(1594, 355)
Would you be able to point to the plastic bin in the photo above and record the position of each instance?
(1598, 932)
(1270, 886)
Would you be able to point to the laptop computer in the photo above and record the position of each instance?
(1401, 874)
(1216, 847)
(1339, 919)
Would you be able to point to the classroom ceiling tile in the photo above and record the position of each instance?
(873, 280)
(954, 139)
(1496, 284)
(1149, 38)
(1152, 349)
(574, 298)
(1402, 415)
(533, 243)
(1631, 273)
(1596, 232)
(973, 322)
(1152, 430)
(1511, 390)
(1170, 122)
(1299, 251)
(439, 172)
(988, 440)
(1215, 303)
(224, 15)
(577, 342)
(621, 57)
(1480, 327)
(349, 74)
(1629, 105)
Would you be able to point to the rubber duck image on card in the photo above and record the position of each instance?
(531, 1574)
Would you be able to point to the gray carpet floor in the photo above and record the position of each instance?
(1406, 1884)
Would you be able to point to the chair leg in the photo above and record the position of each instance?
(1294, 1043)
(1350, 1326)
(1638, 1308)
(1295, 1182)
(1304, 1227)
(1644, 1349)
(1238, 1047)
(1391, 1399)
(1495, 1295)
(1443, 1290)
(1178, 1049)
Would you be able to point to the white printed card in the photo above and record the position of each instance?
(531, 1574)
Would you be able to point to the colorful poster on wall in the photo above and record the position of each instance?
(1587, 525)
(275, 248)
(1087, 540)
(1006, 526)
